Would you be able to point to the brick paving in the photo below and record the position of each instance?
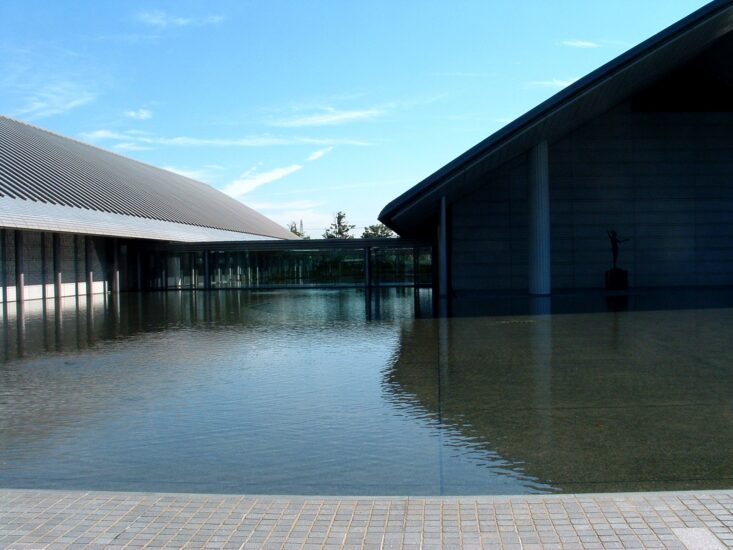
(63, 519)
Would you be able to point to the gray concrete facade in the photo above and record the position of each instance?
(661, 179)
(38, 265)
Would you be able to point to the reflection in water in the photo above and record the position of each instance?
(326, 392)
(585, 402)
(270, 392)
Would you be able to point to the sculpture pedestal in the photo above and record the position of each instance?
(617, 279)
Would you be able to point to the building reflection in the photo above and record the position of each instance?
(36, 327)
(581, 402)
(600, 401)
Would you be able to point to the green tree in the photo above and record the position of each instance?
(339, 228)
(377, 231)
(296, 229)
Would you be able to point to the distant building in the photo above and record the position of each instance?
(643, 146)
(74, 217)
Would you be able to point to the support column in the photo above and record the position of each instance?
(88, 270)
(19, 268)
(207, 271)
(539, 221)
(76, 267)
(44, 272)
(57, 281)
(367, 267)
(415, 287)
(115, 267)
(443, 259)
(368, 282)
(4, 265)
(192, 263)
(139, 271)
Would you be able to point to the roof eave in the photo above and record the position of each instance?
(534, 117)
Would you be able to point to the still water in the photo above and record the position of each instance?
(311, 392)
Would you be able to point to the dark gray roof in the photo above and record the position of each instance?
(47, 176)
(578, 103)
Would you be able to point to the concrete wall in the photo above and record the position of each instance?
(38, 265)
(663, 179)
(488, 233)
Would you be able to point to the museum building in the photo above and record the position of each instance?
(642, 146)
(77, 220)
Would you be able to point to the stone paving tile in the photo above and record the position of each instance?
(91, 520)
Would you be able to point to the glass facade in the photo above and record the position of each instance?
(318, 267)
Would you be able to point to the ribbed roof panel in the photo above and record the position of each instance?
(43, 167)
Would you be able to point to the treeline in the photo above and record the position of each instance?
(342, 229)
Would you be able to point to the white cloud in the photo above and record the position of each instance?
(395, 184)
(315, 155)
(251, 180)
(54, 99)
(327, 117)
(99, 135)
(285, 205)
(198, 175)
(147, 139)
(553, 83)
(580, 44)
(162, 20)
(127, 146)
(140, 114)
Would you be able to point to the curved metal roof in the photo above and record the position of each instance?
(590, 96)
(48, 178)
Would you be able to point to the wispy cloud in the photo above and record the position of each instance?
(251, 179)
(140, 114)
(285, 205)
(553, 83)
(315, 155)
(580, 44)
(128, 146)
(54, 99)
(327, 117)
(147, 139)
(162, 20)
(194, 174)
(359, 185)
(462, 74)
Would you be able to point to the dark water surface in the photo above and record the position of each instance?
(302, 392)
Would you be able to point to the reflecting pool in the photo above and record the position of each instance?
(331, 392)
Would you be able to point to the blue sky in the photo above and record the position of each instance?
(304, 108)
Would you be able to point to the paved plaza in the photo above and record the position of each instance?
(62, 519)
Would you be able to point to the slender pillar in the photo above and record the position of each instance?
(367, 267)
(44, 274)
(19, 268)
(57, 281)
(443, 259)
(368, 282)
(539, 220)
(4, 266)
(207, 271)
(76, 267)
(88, 270)
(115, 267)
(415, 287)
(139, 271)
